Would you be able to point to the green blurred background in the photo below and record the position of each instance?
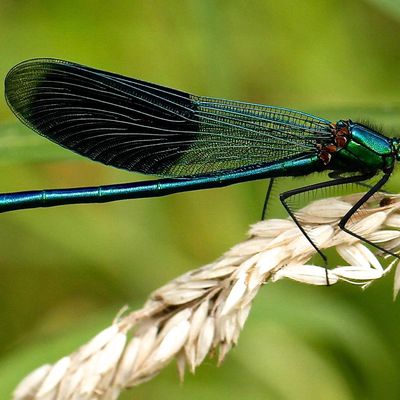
(65, 272)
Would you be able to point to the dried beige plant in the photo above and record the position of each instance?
(205, 310)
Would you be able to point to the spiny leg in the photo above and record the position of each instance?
(335, 175)
(365, 185)
(353, 210)
(340, 181)
(267, 196)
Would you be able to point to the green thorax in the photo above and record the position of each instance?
(366, 150)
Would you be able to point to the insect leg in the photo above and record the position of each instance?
(335, 175)
(340, 181)
(267, 196)
(353, 210)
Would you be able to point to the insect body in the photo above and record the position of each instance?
(361, 149)
(192, 142)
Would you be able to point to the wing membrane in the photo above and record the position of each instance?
(144, 127)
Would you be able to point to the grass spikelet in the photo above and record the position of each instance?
(204, 311)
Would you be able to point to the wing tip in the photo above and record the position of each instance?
(29, 63)
(24, 78)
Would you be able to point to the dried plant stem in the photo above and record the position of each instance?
(206, 309)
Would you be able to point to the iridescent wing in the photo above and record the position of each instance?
(144, 127)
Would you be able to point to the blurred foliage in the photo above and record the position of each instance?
(66, 271)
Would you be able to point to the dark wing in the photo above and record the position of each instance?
(140, 126)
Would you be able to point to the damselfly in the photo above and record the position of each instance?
(193, 142)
